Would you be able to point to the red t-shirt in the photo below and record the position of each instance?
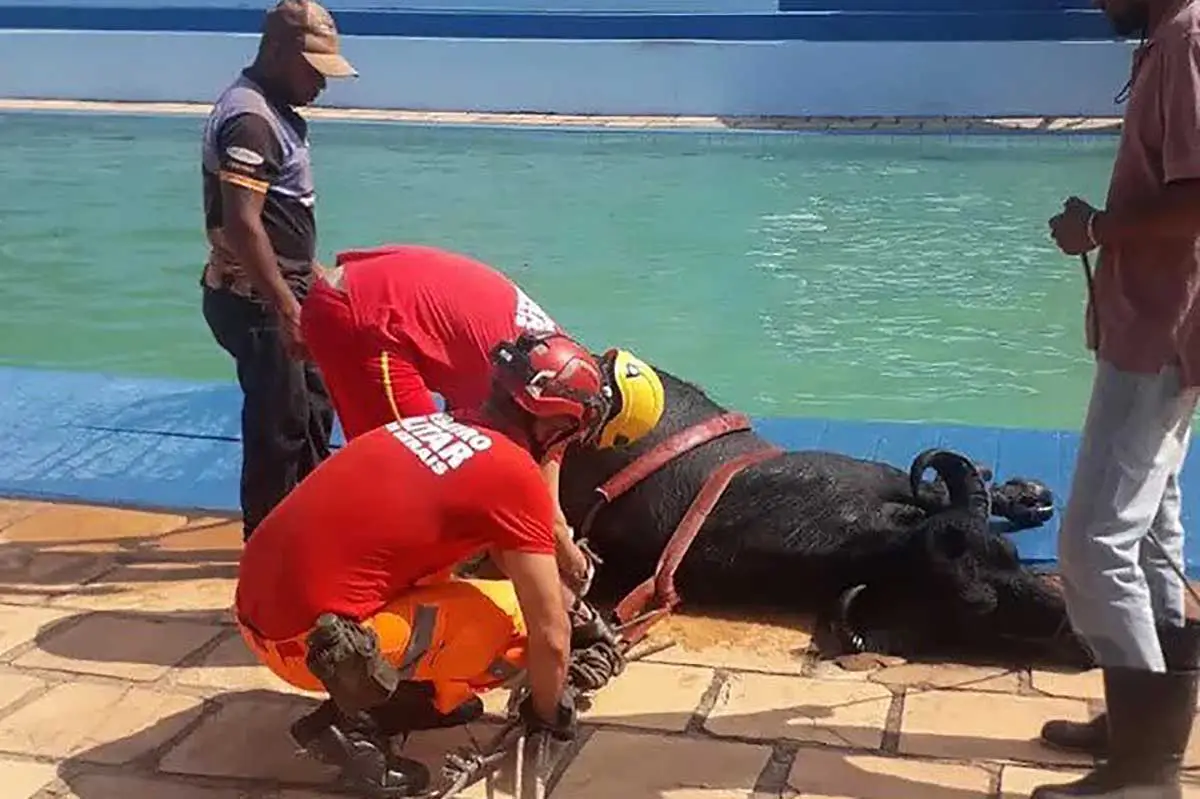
(395, 505)
(446, 309)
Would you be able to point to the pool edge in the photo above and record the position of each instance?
(1036, 125)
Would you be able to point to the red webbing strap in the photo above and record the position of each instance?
(666, 451)
(661, 585)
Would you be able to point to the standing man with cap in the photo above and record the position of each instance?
(258, 209)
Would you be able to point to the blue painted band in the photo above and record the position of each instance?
(1069, 25)
(943, 6)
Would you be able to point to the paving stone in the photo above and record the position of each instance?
(1017, 782)
(432, 746)
(1077, 685)
(30, 576)
(838, 712)
(776, 645)
(233, 667)
(248, 738)
(200, 588)
(495, 702)
(113, 786)
(115, 646)
(205, 534)
(14, 687)
(949, 675)
(648, 695)
(651, 695)
(828, 774)
(633, 766)
(20, 625)
(967, 725)
(92, 527)
(22, 779)
(97, 723)
(13, 510)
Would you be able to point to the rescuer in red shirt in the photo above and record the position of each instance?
(389, 326)
(347, 586)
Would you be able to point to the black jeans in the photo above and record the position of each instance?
(287, 418)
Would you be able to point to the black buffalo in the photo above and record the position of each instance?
(894, 564)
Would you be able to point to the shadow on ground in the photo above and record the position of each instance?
(237, 743)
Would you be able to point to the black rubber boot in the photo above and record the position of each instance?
(1088, 737)
(358, 747)
(345, 657)
(1149, 723)
(410, 709)
(1181, 650)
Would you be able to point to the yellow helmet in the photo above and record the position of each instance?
(637, 397)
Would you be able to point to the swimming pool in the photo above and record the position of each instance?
(894, 277)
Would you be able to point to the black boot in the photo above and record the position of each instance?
(1088, 737)
(1181, 650)
(1149, 722)
(345, 657)
(356, 745)
(410, 709)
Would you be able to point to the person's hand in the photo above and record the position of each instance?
(588, 576)
(584, 573)
(289, 334)
(563, 727)
(1069, 229)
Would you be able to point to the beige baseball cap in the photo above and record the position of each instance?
(308, 26)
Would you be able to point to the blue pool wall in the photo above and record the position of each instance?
(162, 443)
(664, 57)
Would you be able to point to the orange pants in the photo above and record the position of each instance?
(464, 636)
(369, 385)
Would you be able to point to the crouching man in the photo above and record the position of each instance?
(347, 587)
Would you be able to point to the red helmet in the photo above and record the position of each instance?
(549, 375)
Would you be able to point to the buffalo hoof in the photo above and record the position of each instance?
(1024, 502)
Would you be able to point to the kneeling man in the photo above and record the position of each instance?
(346, 586)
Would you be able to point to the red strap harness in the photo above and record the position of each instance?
(632, 612)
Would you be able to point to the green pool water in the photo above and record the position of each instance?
(848, 276)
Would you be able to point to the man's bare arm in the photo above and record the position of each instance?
(535, 578)
(246, 237)
(1175, 213)
(572, 563)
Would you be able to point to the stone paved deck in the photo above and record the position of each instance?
(940, 124)
(121, 677)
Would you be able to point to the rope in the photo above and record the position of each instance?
(592, 668)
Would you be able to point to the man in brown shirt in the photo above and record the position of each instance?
(1144, 325)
